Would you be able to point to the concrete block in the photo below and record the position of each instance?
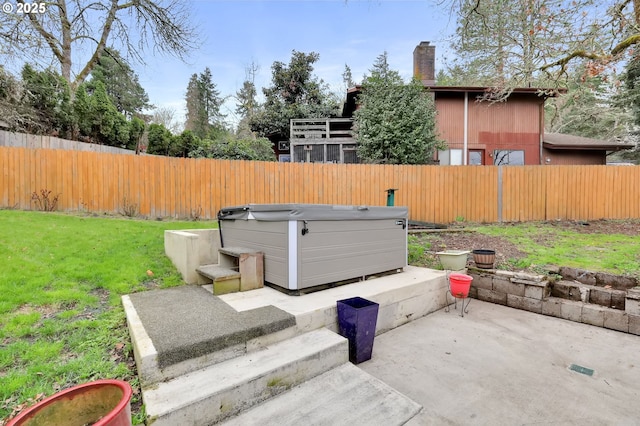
(616, 320)
(529, 277)
(593, 315)
(615, 281)
(535, 291)
(581, 275)
(504, 285)
(524, 303)
(551, 307)
(473, 292)
(191, 248)
(618, 299)
(482, 281)
(508, 274)
(632, 307)
(492, 296)
(566, 290)
(571, 310)
(600, 297)
(634, 324)
(633, 293)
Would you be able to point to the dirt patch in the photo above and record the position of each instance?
(469, 240)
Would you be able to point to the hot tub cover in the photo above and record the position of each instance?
(280, 212)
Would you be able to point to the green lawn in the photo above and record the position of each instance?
(540, 244)
(61, 320)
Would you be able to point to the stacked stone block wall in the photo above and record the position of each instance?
(614, 309)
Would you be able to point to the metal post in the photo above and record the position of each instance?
(391, 196)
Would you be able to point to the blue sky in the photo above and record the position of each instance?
(237, 33)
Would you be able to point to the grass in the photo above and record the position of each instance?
(544, 244)
(61, 320)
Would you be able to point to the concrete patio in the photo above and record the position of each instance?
(500, 365)
(495, 365)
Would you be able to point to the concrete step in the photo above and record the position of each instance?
(225, 279)
(183, 329)
(217, 272)
(345, 395)
(236, 251)
(222, 390)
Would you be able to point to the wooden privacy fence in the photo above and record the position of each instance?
(183, 188)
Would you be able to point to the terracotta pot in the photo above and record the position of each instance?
(484, 258)
(99, 403)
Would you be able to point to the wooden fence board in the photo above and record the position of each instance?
(181, 187)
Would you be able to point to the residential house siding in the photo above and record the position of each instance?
(514, 124)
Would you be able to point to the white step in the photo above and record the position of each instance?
(345, 396)
(209, 395)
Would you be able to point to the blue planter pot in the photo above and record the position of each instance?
(357, 318)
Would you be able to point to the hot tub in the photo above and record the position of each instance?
(308, 245)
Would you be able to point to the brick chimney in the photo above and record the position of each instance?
(424, 58)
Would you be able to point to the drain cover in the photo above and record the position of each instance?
(582, 370)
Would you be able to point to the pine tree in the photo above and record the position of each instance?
(203, 105)
(395, 123)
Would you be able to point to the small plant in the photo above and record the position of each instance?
(44, 201)
(415, 249)
(129, 208)
(196, 214)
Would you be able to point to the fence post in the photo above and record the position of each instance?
(500, 193)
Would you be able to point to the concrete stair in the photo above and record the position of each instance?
(204, 359)
(212, 394)
(345, 395)
(238, 269)
(225, 280)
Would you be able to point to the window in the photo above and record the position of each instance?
(283, 146)
(475, 158)
(506, 157)
(450, 157)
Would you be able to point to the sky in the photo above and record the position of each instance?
(234, 34)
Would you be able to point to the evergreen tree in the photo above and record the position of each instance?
(159, 140)
(203, 104)
(395, 123)
(193, 118)
(347, 77)
(47, 94)
(294, 93)
(121, 83)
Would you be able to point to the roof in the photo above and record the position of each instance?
(564, 141)
(547, 92)
(544, 93)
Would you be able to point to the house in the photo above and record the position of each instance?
(561, 149)
(482, 132)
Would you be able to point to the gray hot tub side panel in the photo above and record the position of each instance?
(342, 242)
(335, 251)
(267, 237)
